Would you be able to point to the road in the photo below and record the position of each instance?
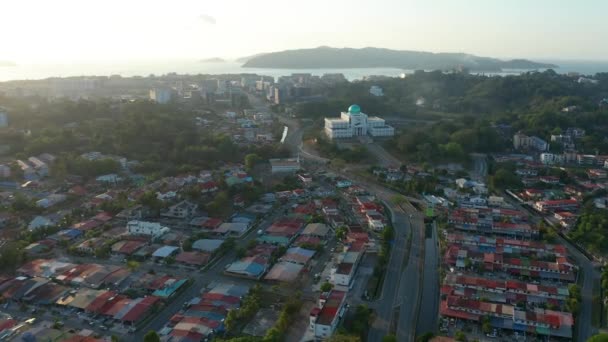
(403, 282)
(480, 167)
(429, 312)
(402, 286)
(408, 298)
(405, 285)
(384, 158)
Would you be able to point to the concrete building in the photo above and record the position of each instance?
(355, 123)
(552, 159)
(41, 168)
(5, 171)
(3, 118)
(344, 272)
(284, 165)
(324, 318)
(161, 95)
(376, 91)
(28, 171)
(522, 141)
(183, 209)
(153, 229)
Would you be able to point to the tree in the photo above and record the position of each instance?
(187, 245)
(341, 232)
(398, 200)
(11, 256)
(388, 233)
(132, 265)
(251, 160)
(241, 252)
(361, 320)
(460, 336)
(504, 179)
(426, 337)
(486, 327)
(339, 337)
(389, 338)
(273, 335)
(598, 338)
(151, 336)
(326, 287)
(338, 163)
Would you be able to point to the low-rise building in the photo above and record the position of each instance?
(324, 318)
(540, 321)
(183, 209)
(153, 229)
(344, 272)
(557, 205)
(284, 165)
(50, 200)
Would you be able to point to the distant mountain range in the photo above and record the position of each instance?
(213, 60)
(328, 57)
(7, 64)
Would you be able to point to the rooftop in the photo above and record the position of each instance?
(354, 109)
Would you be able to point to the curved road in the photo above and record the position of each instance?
(398, 308)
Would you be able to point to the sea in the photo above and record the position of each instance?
(146, 68)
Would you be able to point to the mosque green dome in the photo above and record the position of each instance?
(354, 109)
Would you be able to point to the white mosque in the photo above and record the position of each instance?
(354, 123)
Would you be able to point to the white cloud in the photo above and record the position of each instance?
(207, 19)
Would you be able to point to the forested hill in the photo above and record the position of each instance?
(467, 108)
(327, 57)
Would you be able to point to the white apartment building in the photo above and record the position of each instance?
(343, 273)
(551, 159)
(3, 118)
(153, 229)
(376, 91)
(161, 95)
(324, 318)
(355, 123)
(522, 141)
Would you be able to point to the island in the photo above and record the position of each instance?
(213, 60)
(370, 57)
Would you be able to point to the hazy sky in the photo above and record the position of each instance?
(120, 30)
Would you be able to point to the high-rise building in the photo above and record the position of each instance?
(3, 118)
(161, 95)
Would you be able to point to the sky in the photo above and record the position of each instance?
(76, 31)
